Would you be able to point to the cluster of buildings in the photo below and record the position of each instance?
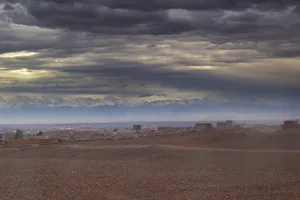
(8, 139)
(198, 127)
(222, 125)
(87, 133)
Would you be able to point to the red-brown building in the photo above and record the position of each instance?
(225, 125)
(290, 124)
(202, 127)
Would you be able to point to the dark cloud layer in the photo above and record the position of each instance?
(72, 28)
(186, 81)
(227, 19)
(154, 5)
(140, 76)
(215, 20)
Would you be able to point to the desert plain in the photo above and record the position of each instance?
(191, 166)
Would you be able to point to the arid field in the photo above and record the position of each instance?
(184, 167)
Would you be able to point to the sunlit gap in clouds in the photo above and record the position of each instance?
(24, 73)
(18, 54)
(195, 68)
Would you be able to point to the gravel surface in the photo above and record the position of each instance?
(240, 139)
(146, 173)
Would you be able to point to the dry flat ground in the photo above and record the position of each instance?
(244, 166)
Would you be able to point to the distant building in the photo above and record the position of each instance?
(164, 129)
(229, 123)
(290, 124)
(225, 125)
(202, 127)
(137, 128)
(221, 125)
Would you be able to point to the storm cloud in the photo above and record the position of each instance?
(256, 20)
(137, 47)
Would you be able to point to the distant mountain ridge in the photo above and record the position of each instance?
(54, 102)
(117, 101)
(45, 109)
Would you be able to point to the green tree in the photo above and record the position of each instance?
(40, 133)
(19, 134)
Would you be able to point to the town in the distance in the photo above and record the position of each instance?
(39, 134)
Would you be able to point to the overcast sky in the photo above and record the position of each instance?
(172, 48)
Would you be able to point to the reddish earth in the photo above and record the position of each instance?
(147, 169)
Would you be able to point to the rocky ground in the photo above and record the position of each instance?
(146, 170)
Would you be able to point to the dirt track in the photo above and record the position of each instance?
(148, 170)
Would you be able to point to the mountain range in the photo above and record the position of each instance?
(81, 102)
(47, 109)
(139, 104)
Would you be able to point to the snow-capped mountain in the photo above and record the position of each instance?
(56, 102)
(119, 101)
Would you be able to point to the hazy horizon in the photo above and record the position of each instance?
(73, 116)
